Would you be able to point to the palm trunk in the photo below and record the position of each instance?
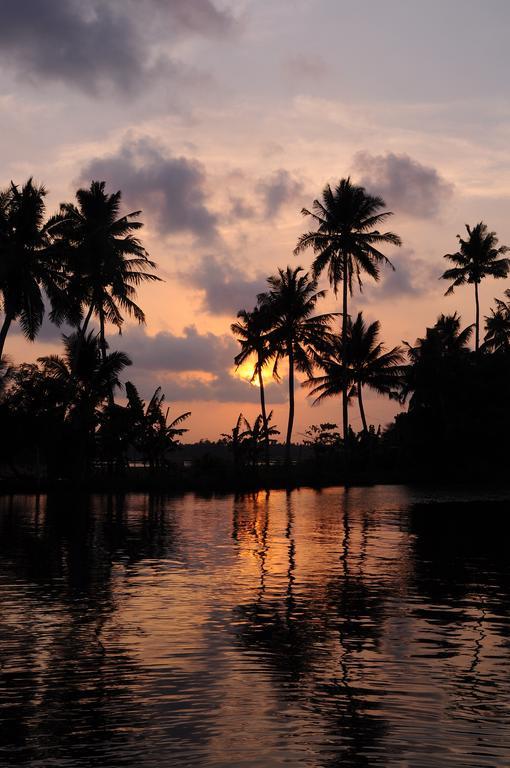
(263, 409)
(102, 339)
(4, 330)
(291, 406)
(477, 319)
(345, 404)
(81, 336)
(83, 329)
(362, 409)
(102, 344)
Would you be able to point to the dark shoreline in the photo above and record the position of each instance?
(170, 483)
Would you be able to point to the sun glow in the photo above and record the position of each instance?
(245, 372)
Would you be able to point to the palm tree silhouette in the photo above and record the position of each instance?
(24, 265)
(252, 332)
(85, 379)
(295, 331)
(83, 372)
(497, 326)
(356, 360)
(154, 435)
(106, 261)
(477, 257)
(347, 242)
(434, 364)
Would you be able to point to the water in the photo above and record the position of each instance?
(359, 628)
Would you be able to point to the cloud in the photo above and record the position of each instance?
(226, 287)
(171, 189)
(277, 190)
(304, 66)
(192, 351)
(193, 366)
(406, 185)
(95, 45)
(222, 388)
(412, 277)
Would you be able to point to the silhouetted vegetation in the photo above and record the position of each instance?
(83, 266)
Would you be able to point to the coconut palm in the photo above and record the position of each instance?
(153, 435)
(346, 243)
(105, 260)
(82, 379)
(25, 269)
(252, 331)
(477, 257)
(84, 374)
(434, 364)
(356, 360)
(497, 326)
(295, 330)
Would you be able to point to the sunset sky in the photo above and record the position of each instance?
(221, 120)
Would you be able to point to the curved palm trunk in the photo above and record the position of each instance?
(291, 406)
(361, 408)
(4, 330)
(477, 319)
(345, 404)
(263, 409)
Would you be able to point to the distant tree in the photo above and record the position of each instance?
(356, 360)
(252, 331)
(235, 440)
(25, 267)
(322, 438)
(247, 442)
(497, 327)
(295, 330)
(477, 257)
(153, 435)
(346, 243)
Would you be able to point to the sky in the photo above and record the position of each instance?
(221, 120)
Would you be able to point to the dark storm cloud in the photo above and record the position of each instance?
(412, 277)
(170, 189)
(406, 185)
(227, 288)
(93, 44)
(279, 189)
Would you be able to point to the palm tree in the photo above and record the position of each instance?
(105, 260)
(497, 326)
(434, 364)
(356, 360)
(295, 331)
(346, 243)
(154, 435)
(477, 257)
(83, 379)
(24, 265)
(252, 332)
(85, 375)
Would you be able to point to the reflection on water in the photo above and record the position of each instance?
(342, 628)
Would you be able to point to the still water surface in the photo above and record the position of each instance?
(341, 628)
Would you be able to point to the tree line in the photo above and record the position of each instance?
(347, 245)
(85, 263)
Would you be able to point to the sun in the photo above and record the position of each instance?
(245, 372)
